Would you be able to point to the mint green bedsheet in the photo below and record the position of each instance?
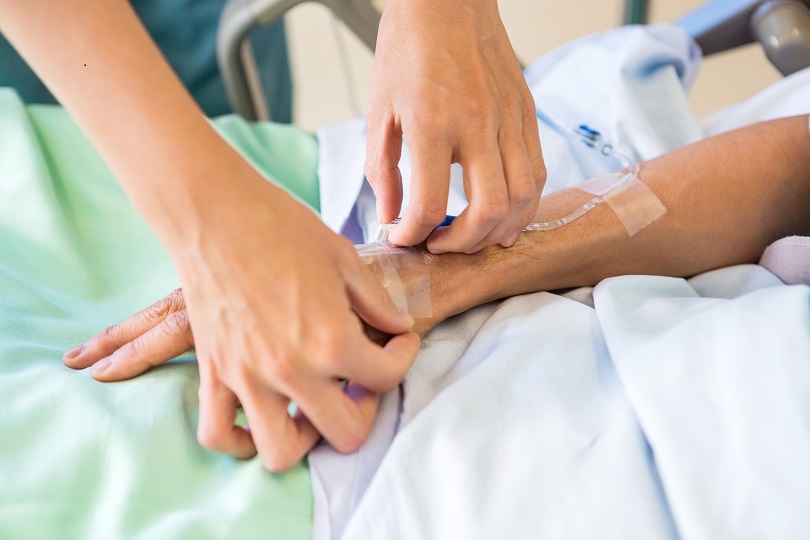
(82, 459)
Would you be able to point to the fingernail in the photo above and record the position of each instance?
(101, 366)
(74, 352)
(512, 239)
(475, 249)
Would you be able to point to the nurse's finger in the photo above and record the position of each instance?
(216, 428)
(381, 369)
(372, 303)
(280, 439)
(169, 339)
(430, 187)
(531, 138)
(520, 186)
(383, 151)
(116, 336)
(343, 419)
(489, 202)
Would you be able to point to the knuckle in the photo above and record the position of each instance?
(337, 343)
(372, 170)
(431, 126)
(523, 190)
(483, 111)
(158, 311)
(351, 440)
(375, 169)
(110, 333)
(494, 209)
(277, 461)
(539, 170)
(133, 349)
(209, 437)
(432, 117)
(331, 345)
(281, 369)
(176, 300)
(428, 214)
(529, 107)
(177, 324)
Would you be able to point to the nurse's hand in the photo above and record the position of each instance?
(446, 78)
(277, 302)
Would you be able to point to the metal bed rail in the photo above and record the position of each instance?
(782, 27)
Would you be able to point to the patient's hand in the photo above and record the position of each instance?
(153, 336)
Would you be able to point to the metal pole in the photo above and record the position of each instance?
(635, 11)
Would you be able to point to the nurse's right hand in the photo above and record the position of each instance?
(276, 301)
(275, 298)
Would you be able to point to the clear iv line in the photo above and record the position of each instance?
(592, 139)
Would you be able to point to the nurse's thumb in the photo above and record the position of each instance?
(372, 303)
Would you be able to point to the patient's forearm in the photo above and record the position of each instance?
(727, 198)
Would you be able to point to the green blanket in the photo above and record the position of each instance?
(82, 459)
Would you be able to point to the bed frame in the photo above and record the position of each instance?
(782, 27)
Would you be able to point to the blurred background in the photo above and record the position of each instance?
(330, 86)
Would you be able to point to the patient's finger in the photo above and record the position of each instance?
(430, 186)
(116, 336)
(280, 439)
(169, 339)
(216, 429)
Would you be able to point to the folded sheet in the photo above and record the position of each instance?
(717, 371)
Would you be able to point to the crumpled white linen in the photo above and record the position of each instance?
(674, 409)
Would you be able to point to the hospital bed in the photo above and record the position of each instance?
(782, 27)
(80, 459)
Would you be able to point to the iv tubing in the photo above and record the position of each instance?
(592, 139)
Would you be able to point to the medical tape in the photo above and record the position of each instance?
(631, 200)
(404, 272)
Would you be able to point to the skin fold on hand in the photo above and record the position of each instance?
(446, 80)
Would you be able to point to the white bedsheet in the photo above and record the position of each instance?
(668, 411)
(650, 408)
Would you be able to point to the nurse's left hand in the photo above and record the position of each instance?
(447, 80)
